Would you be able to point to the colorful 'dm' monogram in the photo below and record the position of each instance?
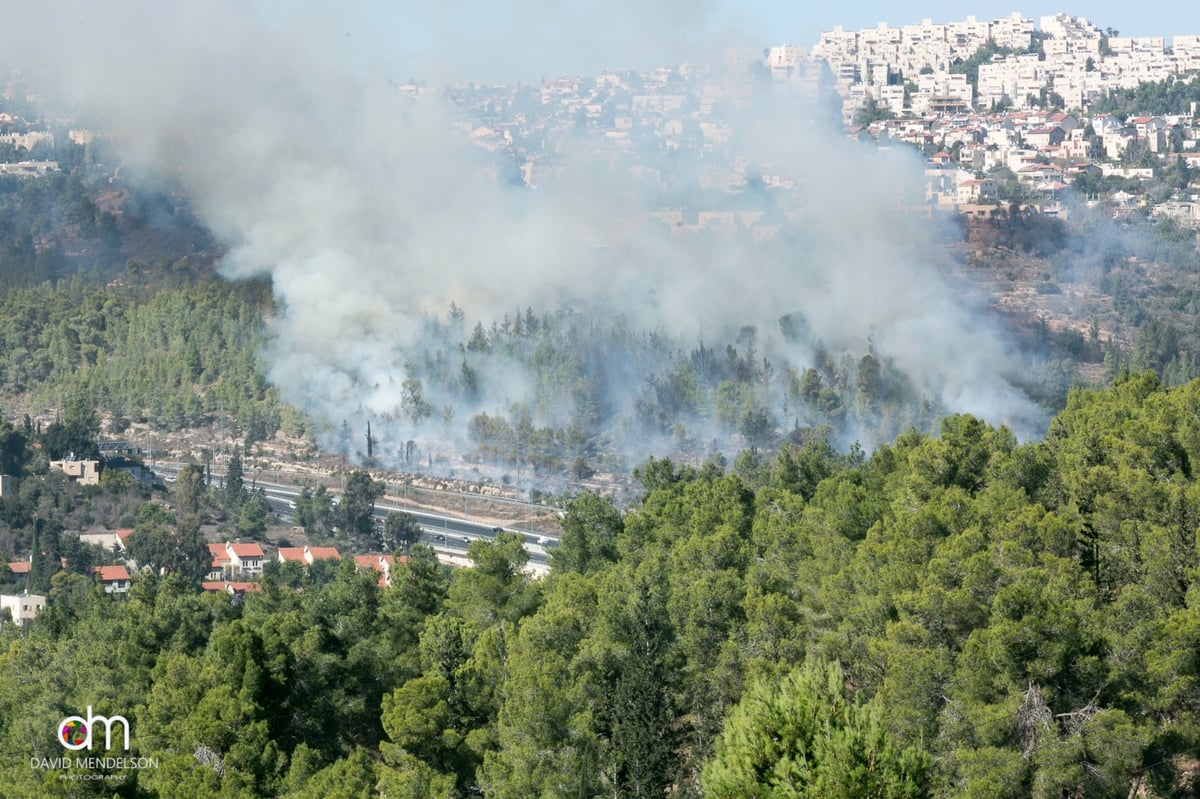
(74, 733)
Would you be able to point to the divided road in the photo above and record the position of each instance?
(444, 533)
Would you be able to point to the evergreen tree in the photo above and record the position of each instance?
(234, 493)
(356, 511)
(13, 449)
(638, 706)
(589, 536)
(253, 516)
(803, 737)
(44, 556)
(400, 531)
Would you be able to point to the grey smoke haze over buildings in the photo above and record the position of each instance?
(369, 213)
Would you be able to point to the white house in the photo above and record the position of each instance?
(245, 558)
(22, 608)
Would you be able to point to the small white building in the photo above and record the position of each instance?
(86, 473)
(22, 608)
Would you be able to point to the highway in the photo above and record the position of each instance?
(444, 533)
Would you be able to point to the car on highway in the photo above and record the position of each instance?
(439, 537)
(466, 539)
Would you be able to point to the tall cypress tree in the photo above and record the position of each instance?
(235, 489)
(45, 556)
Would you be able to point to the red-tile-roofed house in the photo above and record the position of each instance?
(306, 554)
(234, 589)
(380, 563)
(20, 572)
(291, 555)
(247, 559)
(115, 579)
(221, 565)
(1147, 126)
(1051, 189)
(321, 553)
(976, 190)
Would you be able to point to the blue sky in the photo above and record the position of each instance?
(507, 40)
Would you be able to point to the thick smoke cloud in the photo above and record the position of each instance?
(371, 212)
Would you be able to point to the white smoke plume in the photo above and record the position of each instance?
(371, 212)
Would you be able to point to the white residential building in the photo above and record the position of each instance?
(22, 608)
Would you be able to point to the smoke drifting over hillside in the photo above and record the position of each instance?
(372, 214)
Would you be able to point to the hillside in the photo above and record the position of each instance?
(150, 337)
(983, 618)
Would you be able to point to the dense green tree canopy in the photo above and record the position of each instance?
(954, 615)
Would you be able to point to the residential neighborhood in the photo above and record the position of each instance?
(236, 568)
(980, 100)
(974, 97)
(1064, 55)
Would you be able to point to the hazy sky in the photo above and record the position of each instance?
(476, 41)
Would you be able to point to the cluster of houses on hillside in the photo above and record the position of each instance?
(234, 569)
(678, 132)
(232, 560)
(28, 146)
(1045, 151)
(23, 607)
(634, 121)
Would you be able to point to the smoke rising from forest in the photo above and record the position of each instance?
(372, 214)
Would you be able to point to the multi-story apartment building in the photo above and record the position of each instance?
(1076, 61)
